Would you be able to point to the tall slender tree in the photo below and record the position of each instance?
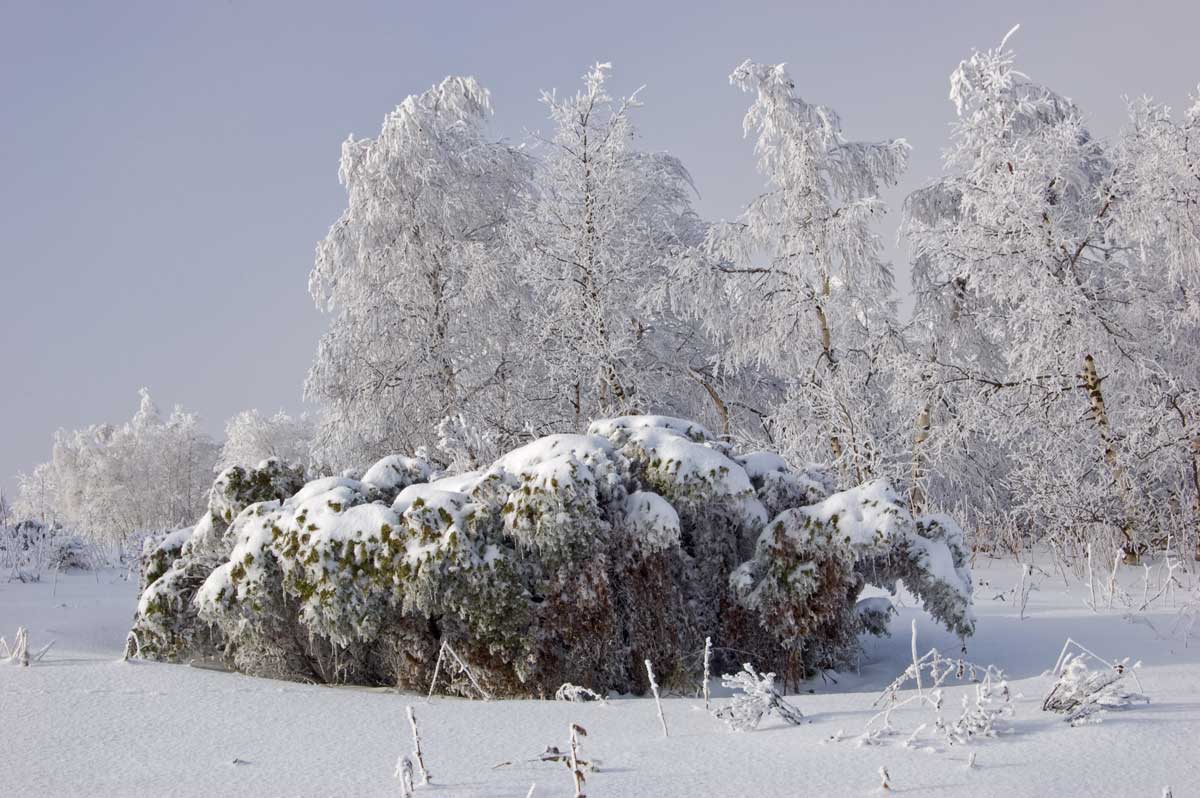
(402, 271)
(594, 241)
(1042, 324)
(804, 291)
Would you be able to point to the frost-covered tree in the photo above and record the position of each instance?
(405, 272)
(797, 285)
(37, 494)
(112, 481)
(1004, 249)
(593, 243)
(1051, 303)
(251, 438)
(1157, 190)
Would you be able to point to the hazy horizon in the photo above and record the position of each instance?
(168, 170)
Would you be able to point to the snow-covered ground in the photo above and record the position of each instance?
(81, 722)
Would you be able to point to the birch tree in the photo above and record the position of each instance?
(1039, 328)
(251, 437)
(404, 273)
(797, 286)
(594, 241)
(111, 481)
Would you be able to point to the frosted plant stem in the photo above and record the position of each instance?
(707, 672)
(1112, 578)
(658, 701)
(19, 653)
(404, 774)
(576, 771)
(1091, 577)
(916, 660)
(1023, 589)
(436, 668)
(464, 669)
(416, 735)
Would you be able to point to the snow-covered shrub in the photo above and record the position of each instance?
(575, 693)
(757, 696)
(719, 517)
(242, 599)
(22, 550)
(159, 552)
(70, 552)
(28, 549)
(874, 614)
(985, 704)
(393, 474)
(173, 568)
(572, 559)
(1082, 692)
(237, 488)
(779, 487)
(809, 560)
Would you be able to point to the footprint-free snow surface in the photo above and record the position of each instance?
(81, 722)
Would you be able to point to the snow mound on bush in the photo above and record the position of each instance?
(570, 559)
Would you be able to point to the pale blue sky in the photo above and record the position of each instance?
(166, 168)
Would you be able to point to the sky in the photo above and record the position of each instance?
(166, 168)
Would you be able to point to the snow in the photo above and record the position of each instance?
(176, 539)
(653, 519)
(429, 495)
(82, 723)
(864, 516)
(684, 459)
(395, 472)
(565, 458)
(353, 523)
(674, 455)
(426, 507)
(760, 464)
(624, 427)
(459, 483)
(325, 485)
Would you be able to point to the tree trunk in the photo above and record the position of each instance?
(1091, 382)
(835, 443)
(917, 496)
(722, 410)
(1194, 446)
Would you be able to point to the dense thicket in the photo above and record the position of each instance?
(573, 558)
(116, 481)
